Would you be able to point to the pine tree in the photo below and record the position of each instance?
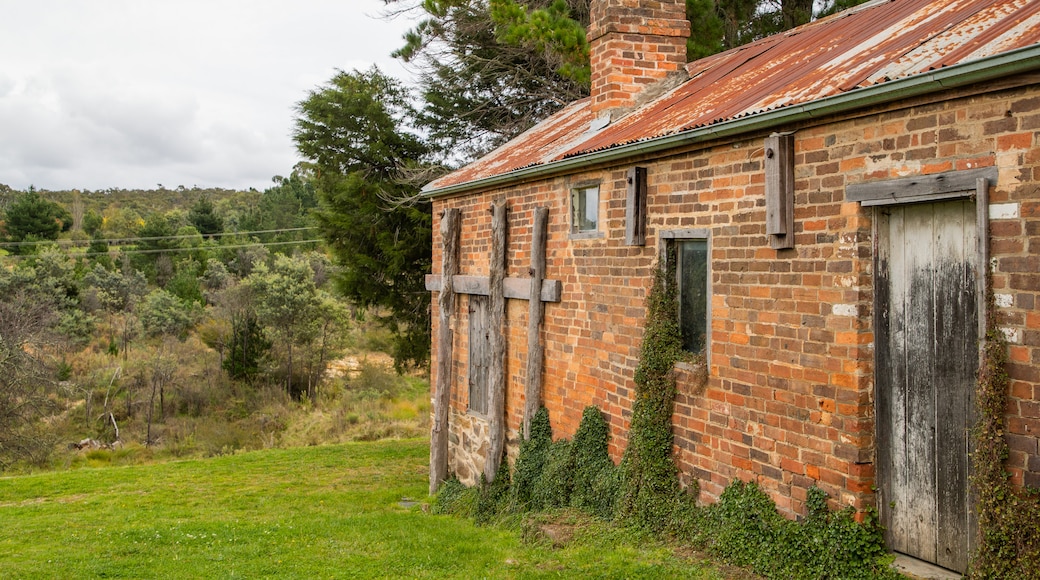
(354, 135)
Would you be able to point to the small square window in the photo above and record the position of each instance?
(585, 209)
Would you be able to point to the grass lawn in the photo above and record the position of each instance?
(315, 512)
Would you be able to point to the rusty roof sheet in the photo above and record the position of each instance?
(867, 45)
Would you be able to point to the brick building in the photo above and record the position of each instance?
(831, 195)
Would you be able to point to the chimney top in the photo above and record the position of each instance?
(633, 44)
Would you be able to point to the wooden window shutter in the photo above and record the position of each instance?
(779, 164)
(635, 207)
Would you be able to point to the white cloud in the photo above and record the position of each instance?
(128, 93)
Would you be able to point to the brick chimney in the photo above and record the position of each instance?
(633, 44)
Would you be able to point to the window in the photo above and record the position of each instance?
(692, 274)
(585, 209)
(688, 251)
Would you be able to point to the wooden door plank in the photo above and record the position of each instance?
(883, 369)
(982, 307)
(920, 399)
(899, 477)
(956, 334)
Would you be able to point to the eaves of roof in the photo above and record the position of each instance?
(976, 71)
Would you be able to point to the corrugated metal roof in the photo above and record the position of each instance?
(871, 44)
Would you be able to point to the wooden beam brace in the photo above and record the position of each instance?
(535, 351)
(515, 288)
(982, 290)
(497, 342)
(450, 221)
(982, 250)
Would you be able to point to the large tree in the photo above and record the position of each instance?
(284, 206)
(31, 217)
(354, 131)
(203, 216)
(287, 301)
(489, 71)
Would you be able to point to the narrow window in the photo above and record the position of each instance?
(692, 273)
(585, 209)
(687, 252)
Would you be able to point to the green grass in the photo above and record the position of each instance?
(316, 512)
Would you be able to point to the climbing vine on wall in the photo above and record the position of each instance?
(650, 490)
(1009, 545)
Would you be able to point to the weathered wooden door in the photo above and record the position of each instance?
(927, 358)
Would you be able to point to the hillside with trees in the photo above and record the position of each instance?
(197, 323)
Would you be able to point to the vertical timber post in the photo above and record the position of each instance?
(982, 239)
(535, 354)
(982, 296)
(446, 305)
(497, 341)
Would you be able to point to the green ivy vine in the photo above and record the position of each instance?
(650, 491)
(1009, 519)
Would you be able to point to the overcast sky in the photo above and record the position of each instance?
(134, 93)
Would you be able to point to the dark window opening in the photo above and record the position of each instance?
(692, 278)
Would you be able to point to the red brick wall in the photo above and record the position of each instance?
(789, 399)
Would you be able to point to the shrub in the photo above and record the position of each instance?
(553, 487)
(455, 498)
(531, 461)
(1009, 545)
(164, 313)
(596, 478)
(745, 529)
(492, 497)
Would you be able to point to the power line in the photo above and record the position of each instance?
(171, 250)
(152, 238)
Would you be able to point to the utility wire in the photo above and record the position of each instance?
(152, 238)
(171, 250)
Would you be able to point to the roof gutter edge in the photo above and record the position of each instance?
(1012, 62)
